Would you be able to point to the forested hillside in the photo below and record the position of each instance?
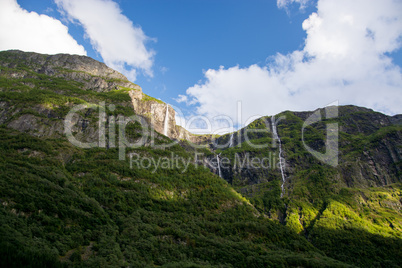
(65, 206)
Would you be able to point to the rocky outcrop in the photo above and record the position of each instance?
(41, 121)
(155, 112)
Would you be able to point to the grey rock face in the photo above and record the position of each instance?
(155, 112)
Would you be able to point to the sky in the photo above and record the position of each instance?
(223, 63)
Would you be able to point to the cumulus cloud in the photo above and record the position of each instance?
(345, 58)
(29, 31)
(113, 35)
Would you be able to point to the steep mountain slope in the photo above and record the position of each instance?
(352, 210)
(113, 192)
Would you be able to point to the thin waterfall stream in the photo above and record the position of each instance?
(219, 166)
(166, 126)
(281, 158)
(231, 140)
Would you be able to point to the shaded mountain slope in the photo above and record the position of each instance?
(62, 205)
(345, 210)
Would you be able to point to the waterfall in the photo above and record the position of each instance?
(219, 166)
(281, 159)
(166, 126)
(231, 140)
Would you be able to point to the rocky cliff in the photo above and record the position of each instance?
(155, 111)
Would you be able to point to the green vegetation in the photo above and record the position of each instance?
(345, 215)
(145, 98)
(97, 211)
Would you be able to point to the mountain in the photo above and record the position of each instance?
(88, 178)
(346, 209)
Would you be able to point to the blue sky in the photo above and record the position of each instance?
(196, 35)
(206, 56)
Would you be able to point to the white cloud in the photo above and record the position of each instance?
(182, 98)
(29, 31)
(345, 58)
(113, 35)
(284, 4)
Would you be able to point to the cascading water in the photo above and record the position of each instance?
(281, 159)
(231, 140)
(166, 126)
(219, 166)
